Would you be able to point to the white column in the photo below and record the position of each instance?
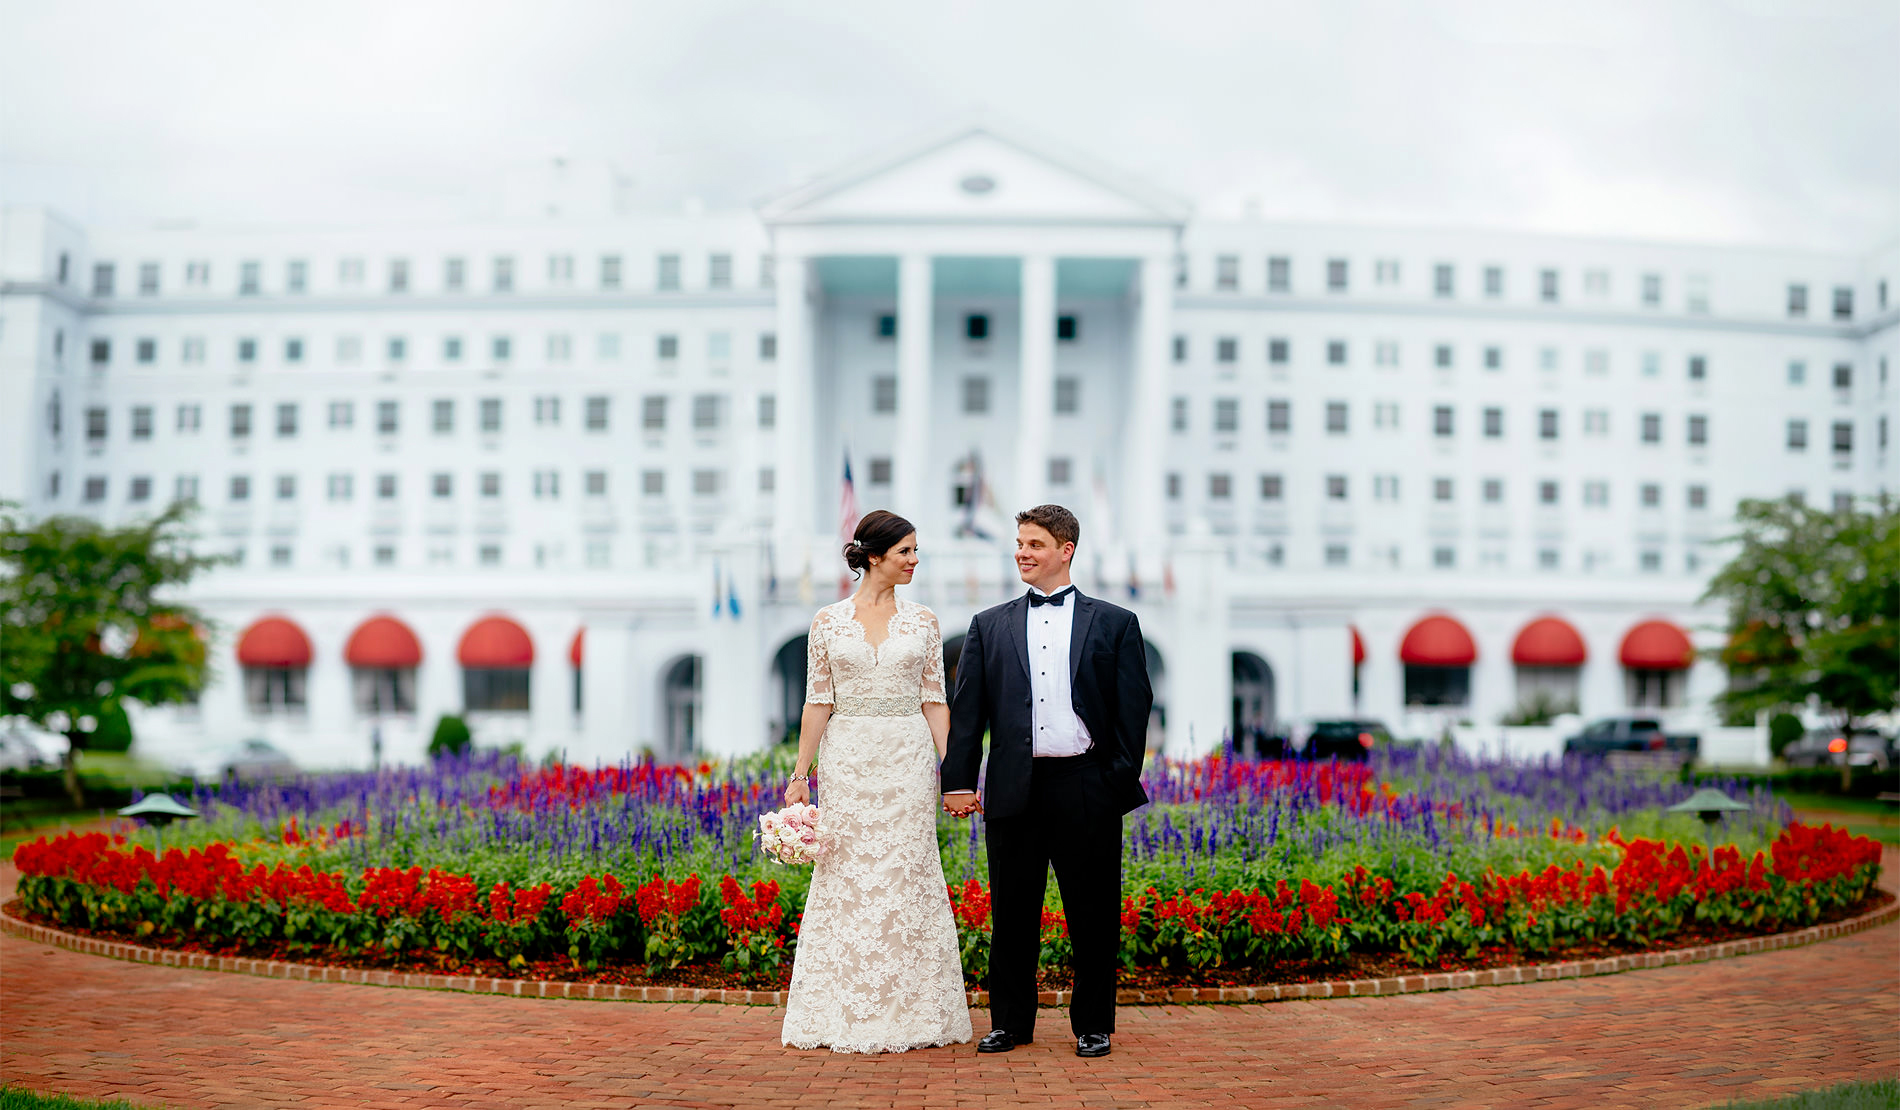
(1200, 667)
(912, 482)
(795, 508)
(1037, 378)
(1324, 645)
(1143, 468)
(609, 694)
(733, 675)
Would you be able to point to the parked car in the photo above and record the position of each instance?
(23, 748)
(1831, 747)
(1630, 734)
(247, 760)
(1344, 738)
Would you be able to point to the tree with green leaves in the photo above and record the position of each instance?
(1813, 609)
(89, 619)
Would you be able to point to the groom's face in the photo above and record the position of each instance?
(1039, 558)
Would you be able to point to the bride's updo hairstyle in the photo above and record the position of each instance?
(878, 532)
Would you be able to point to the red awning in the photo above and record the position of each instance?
(383, 642)
(274, 642)
(574, 649)
(1657, 646)
(1438, 641)
(496, 642)
(1549, 642)
(1358, 646)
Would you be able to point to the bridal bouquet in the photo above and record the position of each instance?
(791, 835)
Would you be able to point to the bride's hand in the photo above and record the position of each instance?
(797, 792)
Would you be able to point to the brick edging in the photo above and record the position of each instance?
(1272, 992)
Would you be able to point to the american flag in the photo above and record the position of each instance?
(847, 518)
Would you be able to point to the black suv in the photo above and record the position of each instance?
(1344, 739)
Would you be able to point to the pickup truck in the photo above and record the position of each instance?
(1630, 734)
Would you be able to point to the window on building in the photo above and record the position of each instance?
(342, 414)
(1336, 418)
(397, 348)
(250, 278)
(1441, 488)
(596, 414)
(1494, 282)
(1652, 427)
(1443, 276)
(667, 279)
(1227, 272)
(1174, 487)
(1279, 416)
(1180, 348)
(1068, 396)
(1547, 492)
(1335, 487)
(1547, 286)
(1442, 421)
(719, 272)
(1220, 487)
(384, 555)
(1843, 302)
(442, 416)
(386, 418)
(102, 351)
(504, 274)
(1797, 301)
(884, 394)
(976, 327)
(768, 411)
(1279, 274)
(349, 272)
(609, 272)
(95, 488)
(768, 272)
(1596, 493)
(142, 422)
(1385, 487)
(197, 273)
(1385, 414)
(1226, 415)
(188, 420)
(454, 274)
(191, 351)
(653, 413)
(547, 485)
(1698, 368)
(1596, 283)
(705, 411)
(1385, 271)
(501, 348)
(1278, 351)
(653, 482)
(1843, 375)
(1226, 349)
(240, 488)
(1335, 555)
(1698, 431)
(1061, 471)
(286, 487)
(1178, 419)
(148, 279)
(1335, 275)
(246, 351)
(1336, 352)
(976, 395)
(547, 410)
(489, 484)
(594, 483)
(95, 426)
(184, 488)
(240, 421)
(560, 269)
(1272, 487)
(560, 347)
(1695, 292)
(1494, 423)
(340, 487)
(1547, 423)
(386, 487)
(705, 483)
(140, 489)
(102, 279)
(1443, 558)
(287, 420)
(768, 346)
(1493, 490)
(1652, 290)
(1843, 437)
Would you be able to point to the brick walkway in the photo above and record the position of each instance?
(1753, 1026)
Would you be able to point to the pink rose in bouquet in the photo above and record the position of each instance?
(792, 834)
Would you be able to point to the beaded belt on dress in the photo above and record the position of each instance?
(878, 707)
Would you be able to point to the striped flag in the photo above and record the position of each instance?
(847, 519)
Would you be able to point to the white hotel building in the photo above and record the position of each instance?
(578, 474)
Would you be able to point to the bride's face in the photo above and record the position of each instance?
(898, 565)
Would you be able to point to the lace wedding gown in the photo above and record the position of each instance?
(877, 967)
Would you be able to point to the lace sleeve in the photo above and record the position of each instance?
(933, 659)
(818, 663)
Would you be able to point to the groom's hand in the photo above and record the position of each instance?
(961, 803)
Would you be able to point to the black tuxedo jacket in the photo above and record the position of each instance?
(1108, 672)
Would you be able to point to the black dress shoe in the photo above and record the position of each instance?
(998, 1040)
(1092, 1044)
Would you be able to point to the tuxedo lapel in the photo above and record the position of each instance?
(1018, 621)
(1079, 631)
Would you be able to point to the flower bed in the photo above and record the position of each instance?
(1241, 869)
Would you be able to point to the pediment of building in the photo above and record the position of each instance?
(975, 173)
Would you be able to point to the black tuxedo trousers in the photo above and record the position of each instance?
(1073, 824)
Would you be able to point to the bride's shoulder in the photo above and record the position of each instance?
(918, 610)
(835, 611)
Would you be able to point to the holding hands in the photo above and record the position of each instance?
(962, 803)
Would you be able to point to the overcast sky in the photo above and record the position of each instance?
(1747, 122)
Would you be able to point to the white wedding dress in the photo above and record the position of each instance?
(877, 967)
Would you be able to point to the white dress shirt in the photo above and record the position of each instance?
(1058, 731)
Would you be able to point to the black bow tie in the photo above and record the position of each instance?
(1056, 598)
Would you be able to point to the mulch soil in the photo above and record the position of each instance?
(1369, 965)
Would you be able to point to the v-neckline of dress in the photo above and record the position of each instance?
(864, 633)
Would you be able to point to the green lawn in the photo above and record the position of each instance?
(17, 1098)
(1873, 1094)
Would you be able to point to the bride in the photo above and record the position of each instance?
(877, 967)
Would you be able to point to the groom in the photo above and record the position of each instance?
(1060, 682)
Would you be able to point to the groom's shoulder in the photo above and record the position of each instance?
(996, 612)
(1112, 611)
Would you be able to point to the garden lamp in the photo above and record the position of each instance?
(1710, 805)
(159, 810)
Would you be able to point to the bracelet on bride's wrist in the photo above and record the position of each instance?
(801, 778)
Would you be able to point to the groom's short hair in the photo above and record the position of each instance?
(1059, 522)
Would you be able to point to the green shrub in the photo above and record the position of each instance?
(1783, 729)
(451, 737)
